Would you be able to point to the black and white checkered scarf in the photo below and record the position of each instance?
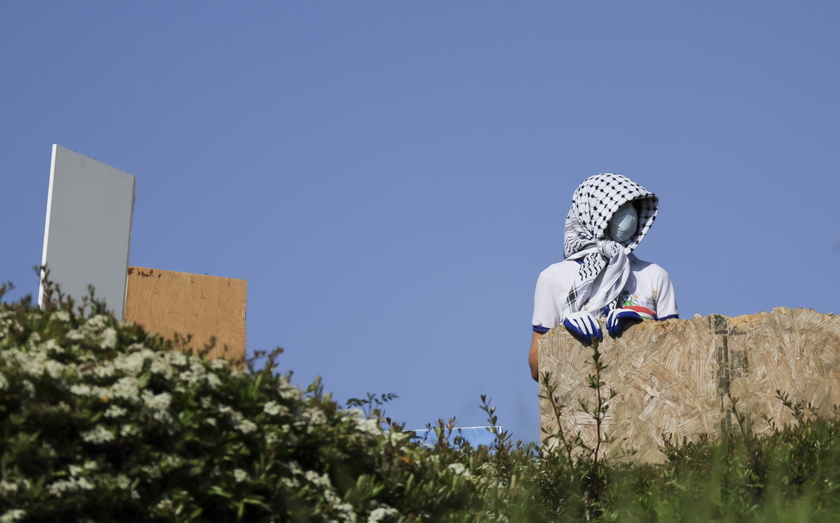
(605, 268)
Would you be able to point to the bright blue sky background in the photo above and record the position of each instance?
(391, 177)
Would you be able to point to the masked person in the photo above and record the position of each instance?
(609, 216)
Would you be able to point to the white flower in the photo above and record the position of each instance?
(3, 381)
(245, 426)
(129, 430)
(238, 420)
(347, 513)
(370, 426)
(458, 468)
(289, 392)
(195, 374)
(289, 483)
(98, 434)
(133, 363)
(172, 461)
(126, 387)
(314, 417)
(62, 316)
(176, 358)
(98, 321)
(109, 338)
(12, 515)
(104, 371)
(272, 408)
(295, 469)
(123, 482)
(162, 368)
(152, 470)
(213, 381)
(354, 412)
(240, 475)
(58, 488)
(165, 504)
(158, 405)
(81, 390)
(20, 485)
(28, 387)
(380, 513)
(31, 363)
(54, 369)
(395, 437)
(52, 346)
(115, 411)
(319, 480)
(159, 401)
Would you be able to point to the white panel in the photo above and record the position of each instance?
(88, 231)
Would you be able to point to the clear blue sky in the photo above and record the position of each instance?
(391, 177)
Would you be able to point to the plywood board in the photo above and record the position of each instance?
(88, 228)
(169, 302)
(679, 378)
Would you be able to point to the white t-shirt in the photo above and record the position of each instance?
(648, 290)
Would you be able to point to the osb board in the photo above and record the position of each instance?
(168, 302)
(678, 377)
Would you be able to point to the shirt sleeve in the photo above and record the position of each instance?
(546, 316)
(666, 303)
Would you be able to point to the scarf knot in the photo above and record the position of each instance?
(608, 248)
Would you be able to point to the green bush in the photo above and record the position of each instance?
(102, 421)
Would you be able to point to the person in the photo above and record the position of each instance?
(600, 276)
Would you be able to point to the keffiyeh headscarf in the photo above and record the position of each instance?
(586, 238)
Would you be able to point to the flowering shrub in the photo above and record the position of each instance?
(105, 421)
(102, 421)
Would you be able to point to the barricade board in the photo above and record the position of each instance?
(88, 228)
(169, 302)
(678, 378)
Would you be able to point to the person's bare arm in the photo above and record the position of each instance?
(534, 355)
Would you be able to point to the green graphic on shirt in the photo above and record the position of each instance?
(632, 300)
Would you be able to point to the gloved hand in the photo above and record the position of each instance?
(618, 320)
(583, 326)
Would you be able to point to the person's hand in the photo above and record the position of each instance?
(618, 320)
(583, 326)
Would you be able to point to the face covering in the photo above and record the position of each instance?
(586, 226)
(623, 223)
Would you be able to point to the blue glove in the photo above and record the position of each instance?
(618, 320)
(583, 326)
